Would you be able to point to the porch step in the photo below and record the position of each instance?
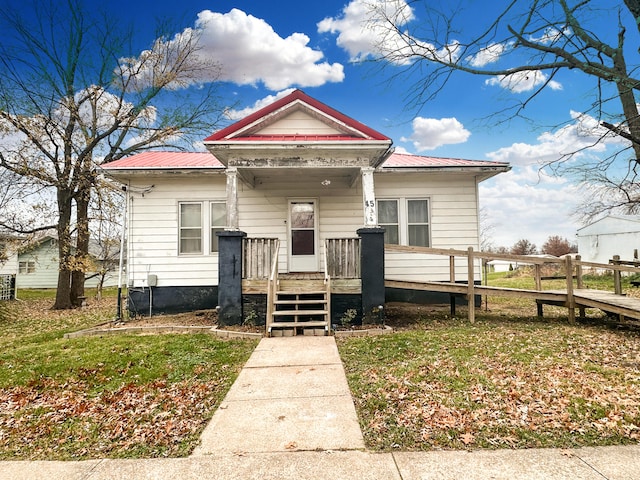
(299, 302)
(298, 313)
(317, 323)
(300, 305)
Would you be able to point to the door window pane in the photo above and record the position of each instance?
(302, 242)
(302, 215)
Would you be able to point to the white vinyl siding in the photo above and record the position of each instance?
(452, 222)
(262, 212)
(154, 231)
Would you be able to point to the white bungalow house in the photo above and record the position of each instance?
(284, 220)
(38, 265)
(608, 236)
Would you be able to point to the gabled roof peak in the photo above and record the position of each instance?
(248, 128)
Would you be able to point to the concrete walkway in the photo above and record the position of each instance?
(290, 415)
(291, 395)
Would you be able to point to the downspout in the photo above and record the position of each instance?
(121, 261)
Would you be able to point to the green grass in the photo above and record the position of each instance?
(113, 396)
(495, 384)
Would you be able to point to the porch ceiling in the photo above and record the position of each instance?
(326, 177)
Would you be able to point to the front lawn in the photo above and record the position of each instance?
(116, 396)
(502, 382)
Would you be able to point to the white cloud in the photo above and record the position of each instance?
(263, 102)
(582, 137)
(528, 203)
(524, 81)
(551, 35)
(364, 31)
(431, 133)
(245, 50)
(487, 55)
(361, 27)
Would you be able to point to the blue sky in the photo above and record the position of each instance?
(314, 46)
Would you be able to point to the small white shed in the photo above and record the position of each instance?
(609, 236)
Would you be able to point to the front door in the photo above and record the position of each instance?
(303, 236)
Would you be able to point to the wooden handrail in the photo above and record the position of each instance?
(272, 284)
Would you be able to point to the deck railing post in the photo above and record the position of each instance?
(538, 276)
(579, 283)
(571, 305)
(471, 301)
(617, 279)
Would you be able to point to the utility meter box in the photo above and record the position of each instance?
(152, 280)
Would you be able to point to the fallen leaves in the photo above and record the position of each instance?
(496, 385)
(55, 421)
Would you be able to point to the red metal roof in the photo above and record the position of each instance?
(178, 160)
(228, 132)
(418, 161)
(165, 160)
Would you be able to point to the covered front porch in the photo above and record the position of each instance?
(349, 286)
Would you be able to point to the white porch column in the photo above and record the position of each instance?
(369, 197)
(232, 198)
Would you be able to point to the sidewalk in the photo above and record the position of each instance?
(290, 415)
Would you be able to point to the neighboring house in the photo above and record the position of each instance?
(38, 266)
(8, 265)
(502, 266)
(612, 235)
(8, 254)
(202, 227)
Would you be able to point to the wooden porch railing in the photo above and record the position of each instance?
(573, 270)
(258, 256)
(342, 257)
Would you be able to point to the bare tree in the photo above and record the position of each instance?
(72, 96)
(523, 247)
(532, 41)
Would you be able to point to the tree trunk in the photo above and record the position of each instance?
(630, 109)
(81, 257)
(63, 292)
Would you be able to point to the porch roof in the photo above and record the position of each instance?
(202, 161)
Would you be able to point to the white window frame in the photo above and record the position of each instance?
(427, 223)
(398, 224)
(180, 227)
(213, 243)
(403, 217)
(26, 267)
(207, 230)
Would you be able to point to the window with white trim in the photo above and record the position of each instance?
(27, 267)
(418, 222)
(190, 223)
(388, 218)
(218, 220)
(405, 220)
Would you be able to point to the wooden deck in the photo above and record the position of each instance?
(628, 307)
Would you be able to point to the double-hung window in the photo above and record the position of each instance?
(405, 220)
(418, 222)
(26, 267)
(190, 227)
(389, 219)
(194, 219)
(218, 220)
